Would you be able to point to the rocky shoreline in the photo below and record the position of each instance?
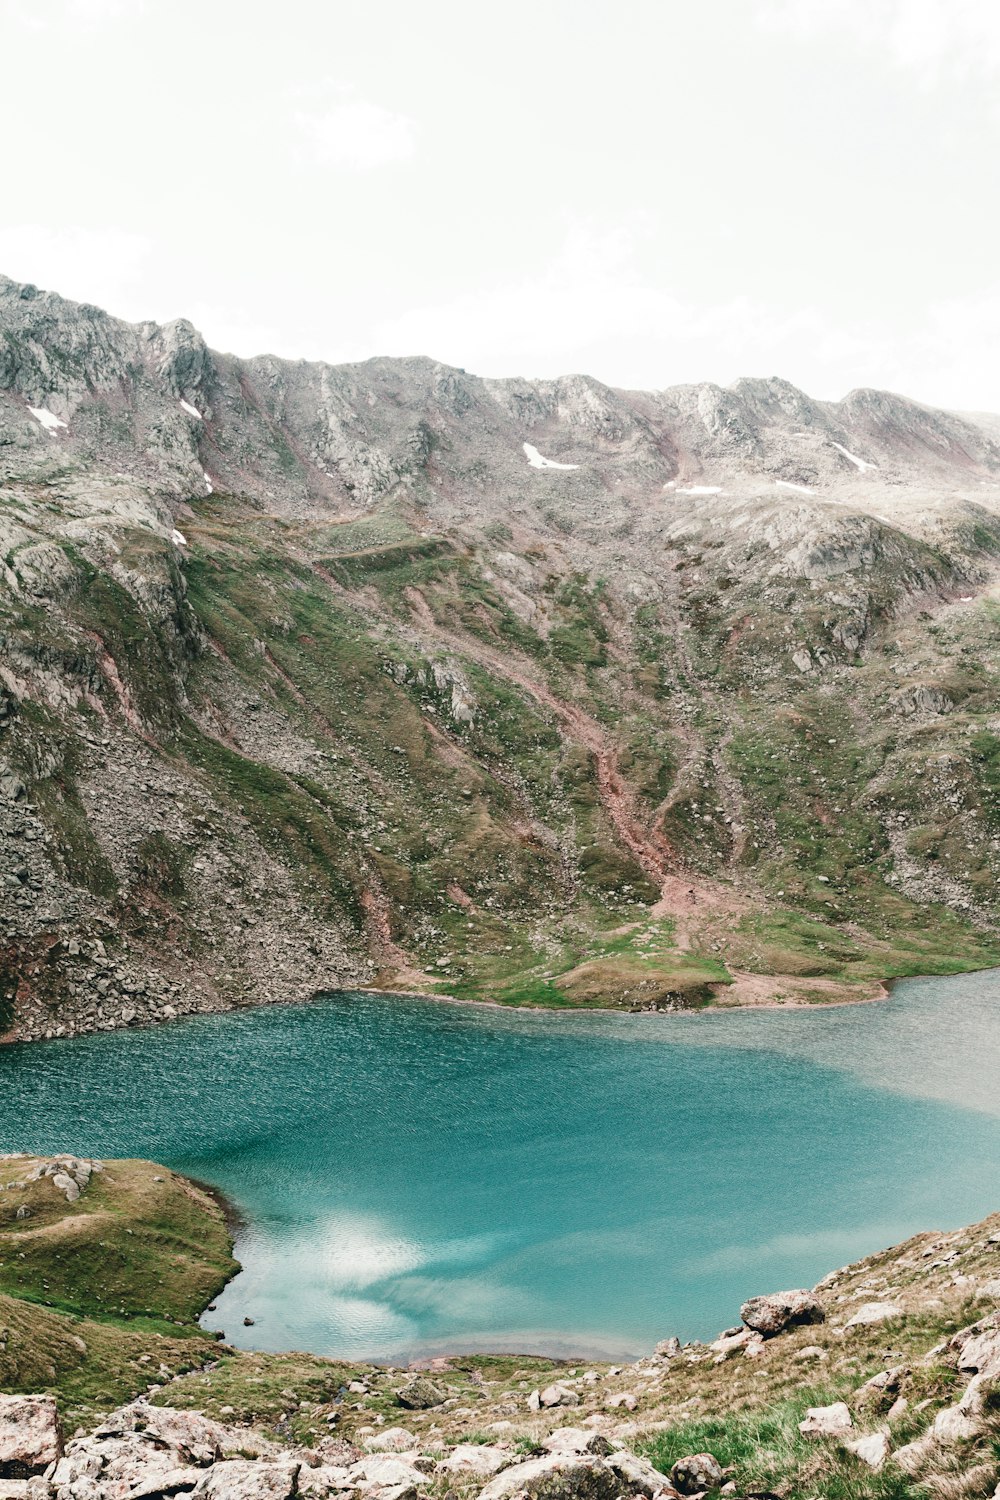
(882, 1383)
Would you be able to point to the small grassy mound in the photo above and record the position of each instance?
(140, 1242)
(99, 1298)
(626, 979)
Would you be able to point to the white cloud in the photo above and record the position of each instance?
(934, 39)
(354, 134)
(88, 265)
(587, 296)
(589, 311)
(58, 15)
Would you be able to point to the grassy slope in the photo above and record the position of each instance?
(488, 844)
(95, 1296)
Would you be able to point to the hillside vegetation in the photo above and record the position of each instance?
(311, 680)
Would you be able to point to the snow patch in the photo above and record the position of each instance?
(178, 538)
(859, 463)
(536, 460)
(192, 411)
(48, 419)
(703, 489)
(208, 484)
(800, 489)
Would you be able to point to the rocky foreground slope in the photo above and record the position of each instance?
(538, 691)
(882, 1383)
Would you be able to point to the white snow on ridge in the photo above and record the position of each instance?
(192, 411)
(47, 418)
(702, 489)
(178, 538)
(536, 460)
(859, 463)
(208, 484)
(800, 489)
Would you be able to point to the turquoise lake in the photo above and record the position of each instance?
(416, 1177)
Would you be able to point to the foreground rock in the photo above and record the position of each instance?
(30, 1435)
(827, 1421)
(567, 1476)
(141, 1451)
(696, 1473)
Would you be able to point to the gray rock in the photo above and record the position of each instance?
(392, 1440)
(420, 1394)
(696, 1473)
(558, 1394)
(247, 1479)
(872, 1449)
(577, 1440)
(385, 1471)
(780, 1310)
(979, 1347)
(476, 1460)
(636, 1475)
(557, 1477)
(873, 1312)
(827, 1421)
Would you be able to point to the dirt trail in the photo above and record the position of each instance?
(687, 898)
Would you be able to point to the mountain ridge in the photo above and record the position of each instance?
(534, 691)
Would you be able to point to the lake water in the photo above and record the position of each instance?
(418, 1177)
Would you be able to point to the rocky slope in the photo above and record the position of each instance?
(882, 1383)
(535, 691)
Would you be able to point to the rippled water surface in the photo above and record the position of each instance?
(417, 1176)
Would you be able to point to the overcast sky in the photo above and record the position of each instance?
(651, 191)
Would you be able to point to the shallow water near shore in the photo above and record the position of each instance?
(416, 1177)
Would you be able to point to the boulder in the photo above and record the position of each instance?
(558, 1395)
(697, 1472)
(883, 1389)
(196, 1439)
(576, 1440)
(247, 1479)
(169, 1482)
(421, 1393)
(952, 1425)
(623, 1398)
(781, 1310)
(826, 1421)
(872, 1449)
(668, 1348)
(731, 1343)
(558, 1476)
(321, 1483)
(873, 1312)
(385, 1471)
(979, 1348)
(30, 1435)
(478, 1460)
(392, 1440)
(636, 1476)
(565, 1476)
